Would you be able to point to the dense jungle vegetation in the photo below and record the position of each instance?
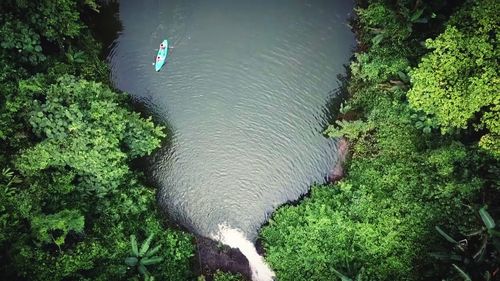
(71, 208)
(421, 194)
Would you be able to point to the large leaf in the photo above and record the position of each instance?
(143, 270)
(462, 273)
(145, 245)
(446, 236)
(131, 261)
(416, 15)
(487, 219)
(153, 251)
(151, 260)
(445, 256)
(378, 38)
(341, 276)
(133, 242)
(479, 255)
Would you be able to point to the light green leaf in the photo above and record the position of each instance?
(151, 260)
(446, 236)
(487, 219)
(378, 38)
(462, 273)
(133, 242)
(153, 251)
(145, 245)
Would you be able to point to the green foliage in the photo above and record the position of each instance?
(378, 67)
(476, 257)
(83, 127)
(19, 38)
(382, 22)
(141, 259)
(457, 83)
(25, 24)
(224, 276)
(446, 158)
(54, 228)
(8, 188)
(341, 276)
(403, 178)
(387, 205)
(323, 236)
(52, 20)
(352, 130)
(424, 122)
(98, 253)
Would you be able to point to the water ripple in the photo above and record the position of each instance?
(245, 92)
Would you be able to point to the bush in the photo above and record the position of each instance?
(224, 276)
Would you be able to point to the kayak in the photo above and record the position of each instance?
(161, 57)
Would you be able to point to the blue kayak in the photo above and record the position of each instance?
(161, 57)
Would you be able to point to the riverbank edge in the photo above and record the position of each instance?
(361, 114)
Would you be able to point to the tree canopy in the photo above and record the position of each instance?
(458, 83)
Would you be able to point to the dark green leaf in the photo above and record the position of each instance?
(445, 256)
(416, 15)
(421, 20)
(494, 233)
(487, 276)
(143, 270)
(341, 276)
(131, 261)
(404, 78)
(479, 255)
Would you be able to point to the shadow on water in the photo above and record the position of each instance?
(337, 97)
(105, 24)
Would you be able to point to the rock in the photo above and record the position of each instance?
(214, 256)
(337, 172)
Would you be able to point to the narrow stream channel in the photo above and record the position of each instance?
(245, 91)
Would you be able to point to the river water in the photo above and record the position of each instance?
(245, 93)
